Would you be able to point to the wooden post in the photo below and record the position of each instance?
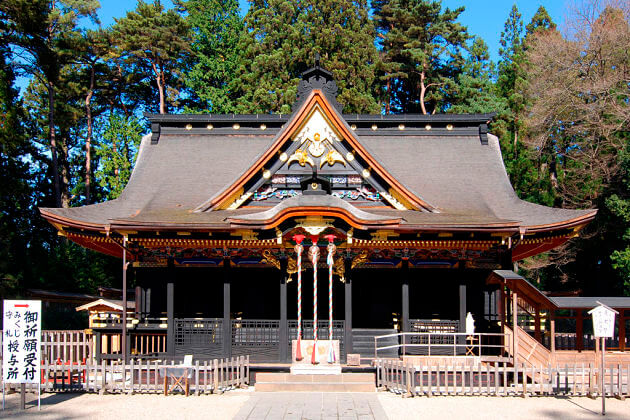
(501, 306)
(501, 309)
(552, 339)
(98, 346)
(579, 330)
(622, 330)
(138, 298)
(283, 335)
(227, 321)
(515, 329)
(404, 326)
(348, 307)
(147, 301)
(462, 307)
(537, 334)
(461, 340)
(124, 303)
(170, 315)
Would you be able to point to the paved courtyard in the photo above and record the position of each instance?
(318, 405)
(246, 404)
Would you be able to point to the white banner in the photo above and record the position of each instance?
(21, 341)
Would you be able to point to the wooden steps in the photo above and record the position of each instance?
(285, 382)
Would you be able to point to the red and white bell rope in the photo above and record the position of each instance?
(298, 250)
(330, 260)
(313, 253)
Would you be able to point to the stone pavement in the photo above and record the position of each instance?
(312, 405)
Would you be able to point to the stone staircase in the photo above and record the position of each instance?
(286, 382)
(363, 342)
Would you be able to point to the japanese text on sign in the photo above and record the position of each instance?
(21, 341)
(603, 321)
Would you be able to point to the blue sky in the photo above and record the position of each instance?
(484, 18)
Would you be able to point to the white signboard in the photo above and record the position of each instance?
(21, 341)
(603, 321)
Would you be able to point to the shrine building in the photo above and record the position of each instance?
(413, 218)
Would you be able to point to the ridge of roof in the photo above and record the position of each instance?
(473, 119)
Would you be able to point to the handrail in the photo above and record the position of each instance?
(468, 344)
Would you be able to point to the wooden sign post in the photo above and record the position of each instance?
(21, 345)
(603, 327)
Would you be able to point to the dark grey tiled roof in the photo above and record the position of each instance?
(463, 178)
(590, 302)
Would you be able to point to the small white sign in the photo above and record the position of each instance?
(603, 321)
(470, 324)
(21, 341)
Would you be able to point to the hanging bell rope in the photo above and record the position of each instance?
(330, 260)
(298, 250)
(313, 253)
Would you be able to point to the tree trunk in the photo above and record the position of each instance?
(88, 140)
(388, 104)
(65, 172)
(53, 144)
(423, 91)
(161, 90)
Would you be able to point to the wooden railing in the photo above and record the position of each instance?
(66, 345)
(499, 379)
(568, 341)
(529, 350)
(443, 344)
(141, 376)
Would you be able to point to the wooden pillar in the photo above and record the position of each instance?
(283, 335)
(147, 301)
(515, 327)
(404, 323)
(124, 302)
(537, 334)
(552, 339)
(622, 330)
(462, 308)
(348, 307)
(500, 306)
(579, 330)
(461, 340)
(139, 304)
(170, 316)
(98, 346)
(227, 321)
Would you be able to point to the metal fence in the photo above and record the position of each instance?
(499, 379)
(141, 376)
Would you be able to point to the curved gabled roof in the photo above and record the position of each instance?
(446, 164)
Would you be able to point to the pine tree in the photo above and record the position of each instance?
(216, 28)
(39, 32)
(156, 42)
(422, 54)
(15, 190)
(280, 43)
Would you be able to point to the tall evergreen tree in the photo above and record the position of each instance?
(39, 31)
(216, 27)
(422, 54)
(156, 42)
(281, 40)
(476, 90)
(15, 190)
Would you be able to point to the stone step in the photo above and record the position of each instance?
(313, 387)
(285, 382)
